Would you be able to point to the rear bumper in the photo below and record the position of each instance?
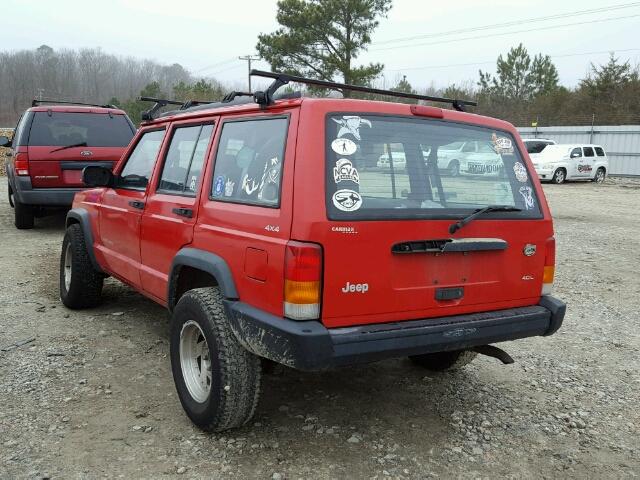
(310, 346)
(53, 197)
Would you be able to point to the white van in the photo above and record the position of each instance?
(557, 163)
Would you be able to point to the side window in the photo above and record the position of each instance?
(600, 151)
(588, 152)
(184, 160)
(19, 131)
(139, 166)
(249, 162)
(576, 152)
(469, 147)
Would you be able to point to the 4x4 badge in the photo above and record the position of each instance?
(529, 249)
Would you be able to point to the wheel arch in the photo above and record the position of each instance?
(81, 217)
(194, 268)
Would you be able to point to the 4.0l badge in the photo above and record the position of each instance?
(529, 249)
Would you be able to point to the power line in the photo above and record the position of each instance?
(426, 67)
(511, 23)
(508, 33)
(216, 64)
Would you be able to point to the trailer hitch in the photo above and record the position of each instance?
(495, 352)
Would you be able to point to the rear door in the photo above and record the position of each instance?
(61, 144)
(122, 207)
(172, 205)
(589, 163)
(388, 251)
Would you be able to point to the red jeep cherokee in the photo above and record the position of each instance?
(268, 231)
(51, 145)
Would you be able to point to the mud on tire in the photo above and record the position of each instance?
(80, 283)
(229, 396)
(23, 215)
(442, 361)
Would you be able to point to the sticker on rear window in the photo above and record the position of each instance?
(344, 146)
(502, 145)
(527, 194)
(347, 200)
(520, 171)
(218, 187)
(344, 171)
(350, 125)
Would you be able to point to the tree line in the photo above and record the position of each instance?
(323, 39)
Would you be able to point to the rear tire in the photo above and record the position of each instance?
(442, 361)
(559, 176)
(23, 215)
(217, 379)
(80, 283)
(10, 192)
(600, 175)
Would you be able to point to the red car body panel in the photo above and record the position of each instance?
(139, 245)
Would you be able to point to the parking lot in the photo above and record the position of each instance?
(89, 394)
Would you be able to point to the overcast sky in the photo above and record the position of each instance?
(207, 36)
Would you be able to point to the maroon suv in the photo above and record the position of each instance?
(51, 146)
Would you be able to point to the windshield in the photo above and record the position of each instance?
(382, 167)
(60, 129)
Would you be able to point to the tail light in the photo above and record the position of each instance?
(302, 281)
(21, 164)
(549, 266)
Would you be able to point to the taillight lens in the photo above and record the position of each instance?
(21, 164)
(549, 266)
(302, 281)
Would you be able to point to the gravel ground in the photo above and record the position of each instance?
(91, 394)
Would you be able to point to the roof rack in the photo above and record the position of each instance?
(36, 102)
(280, 79)
(229, 99)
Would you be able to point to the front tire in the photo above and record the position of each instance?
(217, 379)
(80, 283)
(443, 361)
(23, 215)
(454, 169)
(559, 176)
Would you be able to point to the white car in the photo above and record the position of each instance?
(557, 163)
(399, 160)
(535, 146)
(469, 158)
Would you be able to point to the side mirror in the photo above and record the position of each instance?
(97, 176)
(5, 141)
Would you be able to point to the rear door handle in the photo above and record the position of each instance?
(137, 204)
(183, 212)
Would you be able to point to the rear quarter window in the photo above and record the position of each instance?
(599, 151)
(59, 129)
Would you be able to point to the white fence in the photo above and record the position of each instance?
(621, 142)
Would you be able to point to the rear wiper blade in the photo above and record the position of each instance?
(81, 144)
(454, 227)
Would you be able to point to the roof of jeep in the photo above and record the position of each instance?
(333, 104)
(76, 109)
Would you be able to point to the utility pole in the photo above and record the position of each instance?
(248, 59)
(40, 92)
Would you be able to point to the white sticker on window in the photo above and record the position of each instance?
(347, 200)
(520, 171)
(344, 146)
(228, 188)
(502, 145)
(344, 171)
(527, 194)
(350, 125)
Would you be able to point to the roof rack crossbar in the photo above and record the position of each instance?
(280, 79)
(35, 102)
(158, 104)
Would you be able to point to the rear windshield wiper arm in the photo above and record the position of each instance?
(454, 227)
(81, 144)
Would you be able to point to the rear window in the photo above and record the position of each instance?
(599, 151)
(59, 129)
(588, 152)
(535, 146)
(432, 169)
